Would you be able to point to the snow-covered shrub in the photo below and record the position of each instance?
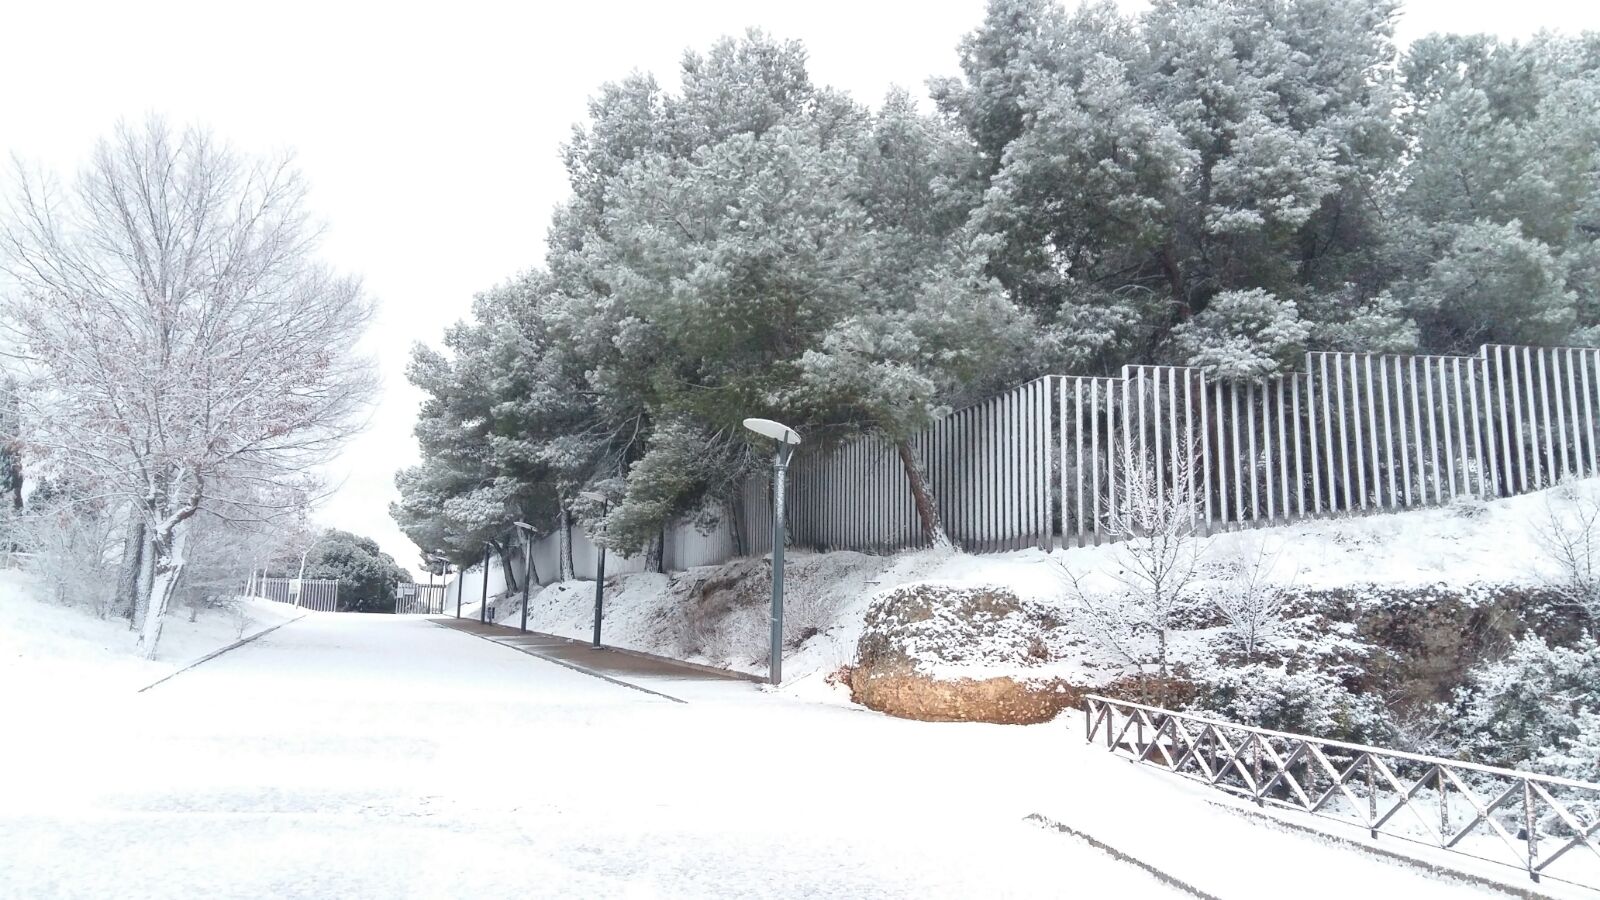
(71, 546)
(1578, 756)
(1568, 532)
(1251, 597)
(1155, 564)
(1535, 706)
(1466, 506)
(806, 614)
(931, 625)
(743, 636)
(1308, 701)
(1242, 335)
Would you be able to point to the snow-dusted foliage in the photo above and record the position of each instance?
(1536, 706)
(1252, 596)
(1243, 334)
(181, 348)
(1134, 603)
(71, 542)
(1303, 701)
(1569, 535)
(789, 254)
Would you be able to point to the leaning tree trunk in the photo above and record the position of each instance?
(506, 569)
(933, 533)
(741, 547)
(126, 601)
(168, 561)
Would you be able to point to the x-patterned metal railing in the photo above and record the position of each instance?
(1500, 815)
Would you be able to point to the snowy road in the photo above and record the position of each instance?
(349, 756)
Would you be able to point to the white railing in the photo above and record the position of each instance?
(414, 598)
(320, 594)
(1520, 819)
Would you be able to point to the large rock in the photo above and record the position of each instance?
(930, 652)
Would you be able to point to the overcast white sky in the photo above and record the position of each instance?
(429, 132)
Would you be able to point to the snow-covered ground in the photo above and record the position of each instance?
(67, 650)
(362, 756)
(1470, 542)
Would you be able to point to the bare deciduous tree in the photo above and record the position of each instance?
(1155, 562)
(176, 335)
(1568, 533)
(1252, 597)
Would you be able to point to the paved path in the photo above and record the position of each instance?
(362, 756)
(349, 756)
(652, 674)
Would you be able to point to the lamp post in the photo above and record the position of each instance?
(483, 603)
(787, 439)
(600, 563)
(527, 571)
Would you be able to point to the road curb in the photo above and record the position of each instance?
(1118, 855)
(216, 653)
(562, 663)
(733, 674)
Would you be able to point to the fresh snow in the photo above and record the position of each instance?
(359, 756)
(72, 651)
(1469, 542)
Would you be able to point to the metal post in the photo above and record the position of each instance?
(600, 581)
(780, 467)
(1530, 823)
(527, 578)
(483, 604)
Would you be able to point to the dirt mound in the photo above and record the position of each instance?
(919, 638)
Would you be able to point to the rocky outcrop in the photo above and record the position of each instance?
(918, 639)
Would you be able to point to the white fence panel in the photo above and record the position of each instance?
(1045, 462)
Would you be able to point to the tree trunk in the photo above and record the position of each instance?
(126, 602)
(169, 561)
(568, 571)
(506, 569)
(741, 547)
(933, 533)
(145, 579)
(655, 555)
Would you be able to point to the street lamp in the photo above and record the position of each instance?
(600, 564)
(787, 439)
(483, 602)
(527, 571)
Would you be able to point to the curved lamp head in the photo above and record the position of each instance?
(779, 432)
(592, 496)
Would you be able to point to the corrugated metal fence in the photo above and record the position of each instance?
(1042, 465)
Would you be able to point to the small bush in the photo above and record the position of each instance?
(1306, 702)
(1537, 705)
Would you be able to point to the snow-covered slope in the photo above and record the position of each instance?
(61, 649)
(1470, 542)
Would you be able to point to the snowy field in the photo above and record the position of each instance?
(361, 756)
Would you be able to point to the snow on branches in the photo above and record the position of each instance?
(180, 347)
